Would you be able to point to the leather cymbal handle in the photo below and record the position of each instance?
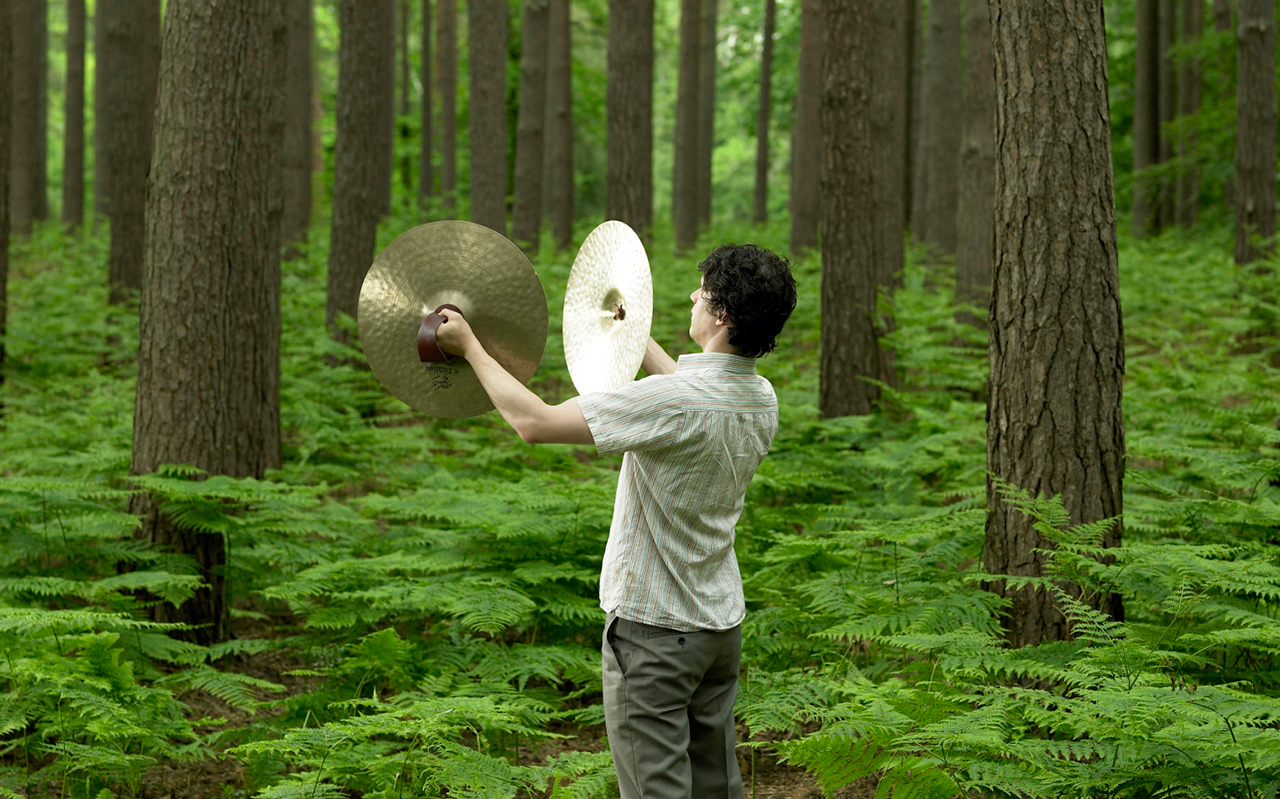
(428, 350)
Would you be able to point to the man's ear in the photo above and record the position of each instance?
(722, 319)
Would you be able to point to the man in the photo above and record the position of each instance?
(694, 433)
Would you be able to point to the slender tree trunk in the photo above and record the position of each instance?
(1223, 22)
(40, 188)
(426, 178)
(806, 137)
(296, 153)
(100, 160)
(6, 119)
(1167, 100)
(387, 109)
(402, 124)
(1054, 423)
(975, 223)
(863, 110)
(1190, 85)
(26, 164)
(126, 72)
(447, 75)
(934, 215)
(487, 30)
(629, 123)
(559, 137)
(706, 109)
(911, 128)
(208, 356)
(1222, 15)
(357, 159)
(73, 119)
(684, 178)
(526, 211)
(1256, 131)
(1146, 116)
(760, 209)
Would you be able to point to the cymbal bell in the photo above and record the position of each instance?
(456, 263)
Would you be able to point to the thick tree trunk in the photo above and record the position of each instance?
(6, 118)
(296, 154)
(629, 123)
(40, 191)
(911, 127)
(684, 178)
(976, 211)
(1146, 116)
(357, 159)
(863, 110)
(934, 215)
(1190, 86)
(487, 32)
(1054, 423)
(806, 137)
(127, 68)
(26, 164)
(73, 119)
(387, 110)
(526, 210)
(426, 178)
(447, 75)
(760, 208)
(706, 109)
(219, 129)
(1255, 131)
(559, 133)
(1167, 102)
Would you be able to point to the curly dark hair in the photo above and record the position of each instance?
(754, 287)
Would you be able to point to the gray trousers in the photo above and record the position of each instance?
(668, 710)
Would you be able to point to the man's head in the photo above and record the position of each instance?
(751, 289)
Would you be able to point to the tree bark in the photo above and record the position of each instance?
(1167, 101)
(685, 177)
(1222, 15)
(934, 214)
(559, 133)
(706, 109)
(760, 209)
(911, 128)
(218, 135)
(127, 68)
(27, 164)
(806, 137)
(863, 111)
(6, 119)
(426, 178)
(357, 159)
(1146, 116)
(73, 119)
(296, 153)
(487, 31)
(447, 75)
(1255, 131)
(976, 209)
(526, 211)
(629, 123)
(387, 109)
(1054, 423)
(402, 122)
(1190, 86)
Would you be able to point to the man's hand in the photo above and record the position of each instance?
(454, 335)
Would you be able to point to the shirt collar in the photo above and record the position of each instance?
(716, 361)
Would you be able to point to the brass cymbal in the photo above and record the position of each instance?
(466, 265)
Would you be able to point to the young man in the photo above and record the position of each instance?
(694, 433)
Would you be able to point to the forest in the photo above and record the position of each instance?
(1016, 535)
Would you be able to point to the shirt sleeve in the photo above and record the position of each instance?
(639, 416)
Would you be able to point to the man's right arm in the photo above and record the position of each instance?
(656, 360)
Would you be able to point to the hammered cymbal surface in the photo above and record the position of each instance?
(608, 308)
(467, 265)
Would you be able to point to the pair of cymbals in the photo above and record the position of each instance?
(608, 308)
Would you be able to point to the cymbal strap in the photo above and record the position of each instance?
(428, 348)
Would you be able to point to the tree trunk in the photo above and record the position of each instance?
(526, 211)
(447, 75)
(218, 135)
(706, 109)
(1054, 423)
(934, 215)
(1167, 102)
(1255, 131)
(487, 30)
(629, 124)
(296, 152)
(760, 209)
(911, 127)
(976, 210)
(559, 133)
(387, 109)
(863, 110)
(40, 191)
(1146, 115)
(684, 178)
(1190, 85)
(126, 70)
(806, 136)
(357, 158)
(1222, 15)
(426, 180)
(27, 164)
(73, 119)
(6, 119)
(402, 123)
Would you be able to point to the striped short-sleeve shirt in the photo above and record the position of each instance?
(693, 439)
